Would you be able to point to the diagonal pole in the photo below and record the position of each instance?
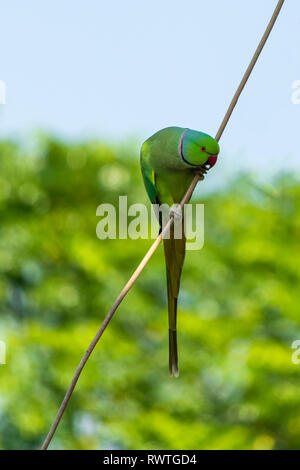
(158, 240)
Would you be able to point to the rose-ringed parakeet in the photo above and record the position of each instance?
(169, 160)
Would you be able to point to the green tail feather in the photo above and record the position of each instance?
(174, 255)
(173, 353)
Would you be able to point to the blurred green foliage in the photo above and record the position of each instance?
(239, 311)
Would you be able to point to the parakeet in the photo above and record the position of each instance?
(169, 160)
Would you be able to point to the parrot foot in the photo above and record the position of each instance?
(201, 171)
(200, 174)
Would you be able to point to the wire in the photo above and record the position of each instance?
(158, 240)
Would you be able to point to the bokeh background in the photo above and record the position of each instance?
(87, 82)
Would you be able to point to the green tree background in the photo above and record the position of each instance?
(239, 311)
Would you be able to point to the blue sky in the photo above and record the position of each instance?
(120, 69)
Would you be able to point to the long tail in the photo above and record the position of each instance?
(174, 255)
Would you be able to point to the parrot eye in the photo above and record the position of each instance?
(203, 149)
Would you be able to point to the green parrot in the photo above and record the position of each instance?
(169, 160)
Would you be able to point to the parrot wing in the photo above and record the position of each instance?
(148, 176)
(149, 180)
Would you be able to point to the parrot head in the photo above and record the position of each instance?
(198, 149)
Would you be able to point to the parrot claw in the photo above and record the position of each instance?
(200, 175)
(201, 171)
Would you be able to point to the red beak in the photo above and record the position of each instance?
(212, 160)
